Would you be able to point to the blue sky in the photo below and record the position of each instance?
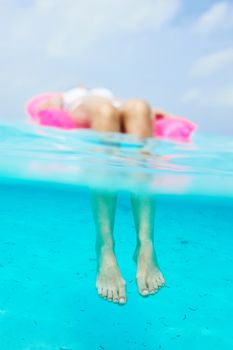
(177, 54)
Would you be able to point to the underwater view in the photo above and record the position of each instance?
(116, 175)
(48, 298)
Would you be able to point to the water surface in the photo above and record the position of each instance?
(47, 242)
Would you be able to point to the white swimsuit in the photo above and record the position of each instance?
(75, 97)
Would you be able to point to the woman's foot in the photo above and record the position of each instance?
(110, 283)
(149, 277)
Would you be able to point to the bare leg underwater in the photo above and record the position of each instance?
(134, 119)
(149, 278)
(110, 283)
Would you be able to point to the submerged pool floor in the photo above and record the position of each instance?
(47, 274)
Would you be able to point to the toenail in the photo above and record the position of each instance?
(145, 292)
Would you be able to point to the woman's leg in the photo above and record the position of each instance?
(98, 113)
(136, 115)
(149, 277)
(136, 118)
(105, 118)
(109, 283)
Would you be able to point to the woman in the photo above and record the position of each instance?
(101, 111)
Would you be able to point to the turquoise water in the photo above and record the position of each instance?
(47, 257)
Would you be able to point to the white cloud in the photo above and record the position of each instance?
(225, 97)
(63, 28)
(210, 97)
(213, 63)
(83, 23)
(219, 16)
(191, 95)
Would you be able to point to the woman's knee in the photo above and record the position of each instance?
(106, 109)
(137, 118)
(106, 117)
(137, 107)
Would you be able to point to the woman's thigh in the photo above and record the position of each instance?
(100, 113)
(136, 116)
